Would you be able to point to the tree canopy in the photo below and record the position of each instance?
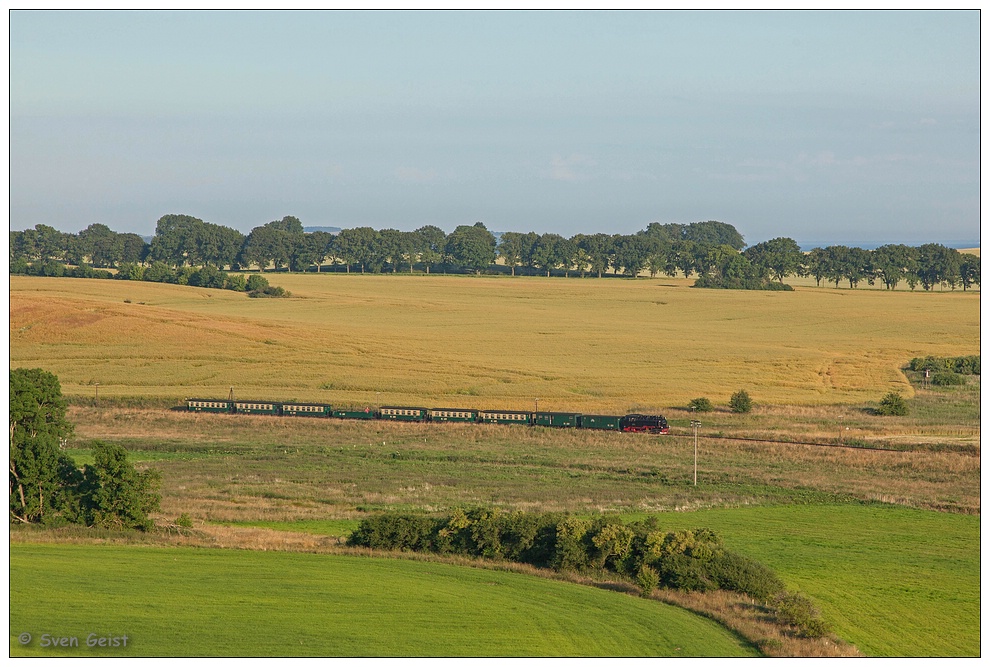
(47, 487)
(38, 427)
(713, 250)
(472, 247)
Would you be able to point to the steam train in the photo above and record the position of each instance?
(628, 423)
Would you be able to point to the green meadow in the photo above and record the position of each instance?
(892, 581)
(210, 602)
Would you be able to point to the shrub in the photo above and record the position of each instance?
(208, 276)
(404, 532)
(19, 266)
(570, 552)
(892, 405)
(610, 543)
(184, 274)
(799, 612)
(49, 268)
(130, 271)
(968, 365)
(947, 379)
(256, 282)
(236, 282)
(684, 573)
(268, 293)
(929, 364)
(184, 521)
(741, 402)
(159, 272)
(81, 271)
(648, 579)
(115, 495)
(733, 572)
(701, 405)
(964, 365)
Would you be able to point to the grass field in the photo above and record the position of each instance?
(585, 345)
(892, 581)
(184, 602)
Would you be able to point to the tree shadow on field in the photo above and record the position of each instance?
(616, 587)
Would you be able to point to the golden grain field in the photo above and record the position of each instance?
(591, 345)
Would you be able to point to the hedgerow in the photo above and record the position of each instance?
(157, 272)
(969, 365)
(688, 560)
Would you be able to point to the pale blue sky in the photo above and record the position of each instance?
(828, 127)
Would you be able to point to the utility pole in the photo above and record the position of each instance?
(695, 423)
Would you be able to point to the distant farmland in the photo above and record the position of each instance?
(585, 345)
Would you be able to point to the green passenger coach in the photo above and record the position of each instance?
(504, 417)
(207, 405)
(403, 414)
(305, 410)
(256, 407)
(453, 415)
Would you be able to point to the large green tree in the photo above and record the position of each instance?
(471, 247)
(551, 251)
(104, 246)
(714, 233)
(631, 253)
(780, 257)
(429, 242)
(969, 270)
(361, 246)
(266, 245)
(892, 263)
(395, 247)
(39, 472)
(175, 239)
(937, 265)
(598, 247)
(510, 250)
(319, 246)
(47, 487)
(51, 243)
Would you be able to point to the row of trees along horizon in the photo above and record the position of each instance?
(713, 250)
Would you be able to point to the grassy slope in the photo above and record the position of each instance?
(893, 581)
(233, 603)
(588, 345)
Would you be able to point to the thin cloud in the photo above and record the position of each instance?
(571, 168)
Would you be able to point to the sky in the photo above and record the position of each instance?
(835, 127)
